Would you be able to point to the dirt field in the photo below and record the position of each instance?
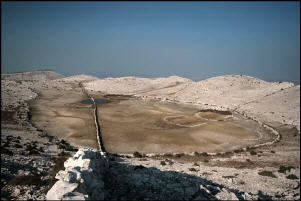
(156, 127)
(61, 114)
(129, 124)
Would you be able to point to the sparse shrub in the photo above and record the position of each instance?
(241, 182)
(168, 155)
(292, 176)
(253, 152)
(34, 151)
(204, 154)
(193, 169)
(18, 146)
(63, 142)
(195, 164)
(283, 169)
(267, 174)
(16, 141)
(170, 162)
(41, 149)
(196, 153)
(66, 146)
(6, 151)
(30, 147)
(206, 160)
(272, 151)
(237, 150)
(230, 176)
(60, 146)
(6, 144)
(19, 138)
(179, 155)
(136, 154)
(26, 180)
(162, 163)
(248, 160)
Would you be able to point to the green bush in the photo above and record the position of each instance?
(16, 141)
(168, 155)
(272, 151)
(162, 163)
(136, 154)
(6, 144)
(30, 147)
(18, 146)
(6, 151)
(34, 151)
(253, 152)
(267, 174)
(292, 176)
(179, 155)
(283, 169)
(193, 169)
(237, 151)
(206, 160)
(230, 176)
(204, 154)
(41, 149)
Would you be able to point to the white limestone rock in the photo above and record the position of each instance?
(60, 189)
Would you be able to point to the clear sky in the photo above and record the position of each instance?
(149, 39)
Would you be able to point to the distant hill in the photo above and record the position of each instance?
(81, 77)
(132, 84)
(34, 75)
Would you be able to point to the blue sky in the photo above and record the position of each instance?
(149, 39)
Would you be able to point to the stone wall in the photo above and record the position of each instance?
(82, 178)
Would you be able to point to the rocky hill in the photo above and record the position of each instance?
(133, 85)
(35, 75)
(228, 92)
(77, 78)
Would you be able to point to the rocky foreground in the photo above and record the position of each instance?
(90, 174)
(37, 166)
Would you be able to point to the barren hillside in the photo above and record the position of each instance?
(132, 85)
(35, 75)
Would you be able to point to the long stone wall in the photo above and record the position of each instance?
(82, 178)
